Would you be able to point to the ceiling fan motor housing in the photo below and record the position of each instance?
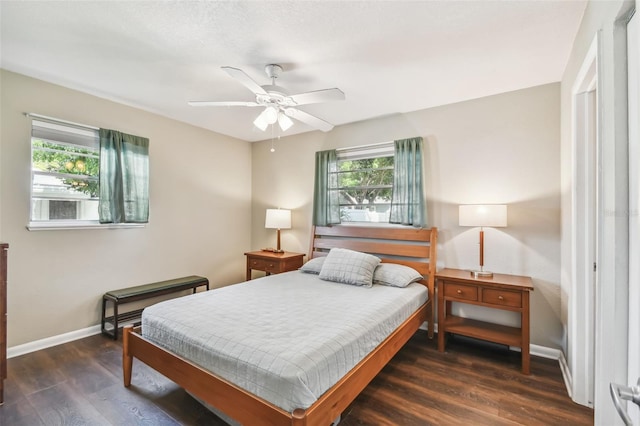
(276, 96)
(273, 70)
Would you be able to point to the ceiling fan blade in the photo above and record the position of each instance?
(318, 96)
(243, 78)
(215, 103)
(308, 119)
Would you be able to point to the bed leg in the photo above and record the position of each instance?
(430, 323)
(298, 417)
(127, 360)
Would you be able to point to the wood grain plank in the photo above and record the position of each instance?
(63, 405)
(35, 372)
(122, 406)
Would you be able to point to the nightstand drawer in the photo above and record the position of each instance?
(270, 266)
(264, 265)
(502, 297)
(459, 291)
(272, 263)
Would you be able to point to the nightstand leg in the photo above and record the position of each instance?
(526, 358)
(442, 315)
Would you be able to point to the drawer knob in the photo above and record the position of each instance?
(271, 265)
(459, 291)
(500, 298)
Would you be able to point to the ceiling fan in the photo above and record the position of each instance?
(278, 104)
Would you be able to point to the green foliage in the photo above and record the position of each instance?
(69, 160)
(368, 179)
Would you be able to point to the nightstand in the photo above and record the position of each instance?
(272, 263)
(507, 292)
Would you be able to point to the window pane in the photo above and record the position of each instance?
(64, 181)
(60, 210)
(365, 189)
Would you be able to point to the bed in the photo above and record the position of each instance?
(234, 395)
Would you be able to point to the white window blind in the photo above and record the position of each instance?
(64, 132)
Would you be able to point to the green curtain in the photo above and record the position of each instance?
(407, 201)
(124, 178)
(326, 205)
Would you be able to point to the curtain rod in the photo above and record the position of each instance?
(57, 120)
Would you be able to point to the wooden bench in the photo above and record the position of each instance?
(142, 292)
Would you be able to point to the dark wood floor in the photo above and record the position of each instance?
(79, 383)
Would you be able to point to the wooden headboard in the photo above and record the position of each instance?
(414, 247)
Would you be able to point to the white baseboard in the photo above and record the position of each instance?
(566, 375)
(52, 341)
(545, 352)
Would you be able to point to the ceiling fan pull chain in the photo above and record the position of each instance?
(272, 148)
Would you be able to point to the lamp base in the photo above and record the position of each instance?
(482, 274)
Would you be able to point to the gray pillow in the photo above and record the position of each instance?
(395, 275)
(314, 265)
(349, 267)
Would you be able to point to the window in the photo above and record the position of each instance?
(82, 176)
(65, 162)
(364, 183)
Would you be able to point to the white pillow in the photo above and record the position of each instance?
(395, 275)
(314, 265)
(349, 267)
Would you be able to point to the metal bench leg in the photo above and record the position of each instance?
(113, 334)
(115, 320)
(104, 314)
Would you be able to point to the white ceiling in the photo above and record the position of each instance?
(388, 57)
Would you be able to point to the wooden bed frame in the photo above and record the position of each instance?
(407, 246)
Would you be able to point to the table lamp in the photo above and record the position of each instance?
(278, 219)
(492, 215)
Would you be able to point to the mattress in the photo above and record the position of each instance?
(286, 338)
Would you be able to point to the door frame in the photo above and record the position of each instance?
(633, 64)
(584, 227)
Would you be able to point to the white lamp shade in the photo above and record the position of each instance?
(493, 215)
(261, 122)
(270, 114)
(284, 121)
(278, 219)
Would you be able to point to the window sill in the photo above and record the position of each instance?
(80, 224)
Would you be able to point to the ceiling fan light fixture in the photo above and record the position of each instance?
(284, 121)
(270, 114)
(260, 122)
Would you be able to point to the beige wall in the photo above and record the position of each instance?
(498, 149)
(200, 190)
